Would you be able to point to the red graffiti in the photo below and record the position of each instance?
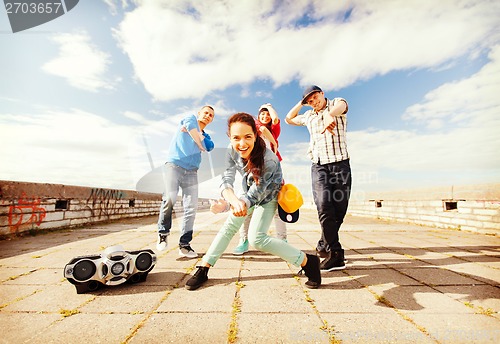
(18, 214)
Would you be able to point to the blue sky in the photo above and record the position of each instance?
(78, 94)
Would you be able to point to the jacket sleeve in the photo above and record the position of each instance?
(276, 129)
(229, 174)
(256, 193)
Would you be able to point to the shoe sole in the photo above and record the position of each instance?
(187, 256)
(188, 287)
(335, 268)
(194, 287)
(239, 253)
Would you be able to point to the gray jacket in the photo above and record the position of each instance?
(269, 183)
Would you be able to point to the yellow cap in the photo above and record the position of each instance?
(289, 198)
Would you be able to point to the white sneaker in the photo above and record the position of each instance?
(187, 252)
(162, 243)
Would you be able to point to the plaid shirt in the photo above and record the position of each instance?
(326, 148)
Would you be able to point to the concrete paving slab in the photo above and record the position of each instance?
(370, 328)
(357, 299)
(454, 328)
(131, 299)
(184, 328)
(25, 327)
(267, 291)
(39, 276)
(402, 284)
(480, 272)
(51, 299)
(89, 328)
(166, 277)
(381, 276)
(439, 276)
(419, 299)
(281, 328)
(481, 298)
(209, 299)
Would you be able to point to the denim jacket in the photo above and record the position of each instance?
(269, 183)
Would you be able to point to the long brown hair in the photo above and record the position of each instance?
(255, 162)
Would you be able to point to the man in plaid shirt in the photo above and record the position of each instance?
(330, 170)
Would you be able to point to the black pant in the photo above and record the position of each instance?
(331, 185)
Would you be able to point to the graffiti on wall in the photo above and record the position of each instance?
(25, 212)
(102, 202)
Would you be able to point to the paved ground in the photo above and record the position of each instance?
(403, 284)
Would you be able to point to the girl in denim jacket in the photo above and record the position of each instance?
(262, 178)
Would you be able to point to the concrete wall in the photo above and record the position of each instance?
(28, 207)
(469, 207)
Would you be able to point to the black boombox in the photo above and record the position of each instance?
(114, 266)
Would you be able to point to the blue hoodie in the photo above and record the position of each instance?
(183, 150)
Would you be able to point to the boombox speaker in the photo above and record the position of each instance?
(114, 266)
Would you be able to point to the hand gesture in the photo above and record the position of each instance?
(274, 148)
(329, 123)
(239, 208)
(218, 206)
(200, 146)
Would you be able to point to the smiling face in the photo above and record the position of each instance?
(316, 100)
(264, 117)
(242, 138)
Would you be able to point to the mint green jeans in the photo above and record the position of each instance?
(257, 236)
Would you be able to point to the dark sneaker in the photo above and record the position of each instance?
(312, 271)
(188, 252)
(334, 261)
(321, 253)
(199, 277)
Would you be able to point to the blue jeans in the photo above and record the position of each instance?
(331, 184)
(257, 236)
(176, 177)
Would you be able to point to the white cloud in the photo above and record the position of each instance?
(81, 63)
(188, 49)
(113, 5)
(469, 101)
(464, 149)
(70, 147)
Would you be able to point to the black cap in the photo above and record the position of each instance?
(310, 90)
(288, 217)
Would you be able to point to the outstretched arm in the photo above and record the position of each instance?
(238, 206)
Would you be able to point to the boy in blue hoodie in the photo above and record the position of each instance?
(181, 171)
